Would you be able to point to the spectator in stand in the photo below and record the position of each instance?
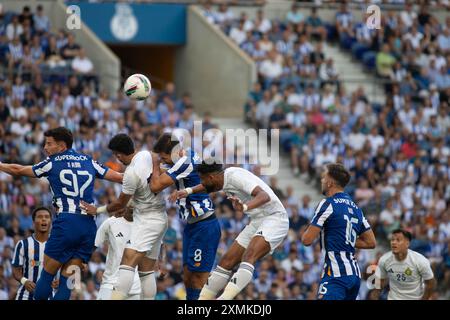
(41, 21)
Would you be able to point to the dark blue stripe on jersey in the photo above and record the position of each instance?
(352, 263)
(16, 259)
(36, 265)
(25, 264)
(340, 263)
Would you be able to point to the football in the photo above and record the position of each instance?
(137, 87)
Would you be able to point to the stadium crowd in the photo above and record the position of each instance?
(398, 152)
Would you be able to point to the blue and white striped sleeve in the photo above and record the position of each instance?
(43, 168)
(322, 213)
(365, 225)
(18, 255)
(181, 169)
(100, 170)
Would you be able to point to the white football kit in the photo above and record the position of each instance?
(405, 277)
(269, 220)
(149, 214)
(115, 232)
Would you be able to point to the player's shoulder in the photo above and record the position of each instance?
(388, 256)
(19, 243)
(417, 257)
(234, 174)
(324, 202)
(232, 171)
(108, 222)
(144, 154)
(26, 241)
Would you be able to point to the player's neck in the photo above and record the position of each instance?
(333, 191)
(401, 255)
(131, 156)
(41, 236)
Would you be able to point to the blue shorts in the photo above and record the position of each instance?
(342, 288)
(72, 236)
(200, 242)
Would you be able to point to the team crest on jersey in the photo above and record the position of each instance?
(197, 264)
(408, 272)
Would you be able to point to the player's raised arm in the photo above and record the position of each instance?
(159, 181)
(17, 170)
(114, 176)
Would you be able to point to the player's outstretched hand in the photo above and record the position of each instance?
(237, 203)
(30, 286)
(89, 208)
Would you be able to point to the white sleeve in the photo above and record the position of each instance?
(102, 234)
(381, 269)
(130, 182)
(243, 180)
(425, 268)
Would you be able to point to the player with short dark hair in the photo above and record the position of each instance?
(269, 225)
(342, 227)
(71, 176)
(29, 254)
(407, 272)
(149, 224)
(202, 233)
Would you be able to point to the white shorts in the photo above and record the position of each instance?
(105, 294)
(273, 228)
(147, 233)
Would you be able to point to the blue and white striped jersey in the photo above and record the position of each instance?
(29, 254)
(341, 222)
(71, 176)
(184, 173)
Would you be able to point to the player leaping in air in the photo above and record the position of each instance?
(71, 176)
(149, 219)
(201, 235)
(267, 229)
(342, 227)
